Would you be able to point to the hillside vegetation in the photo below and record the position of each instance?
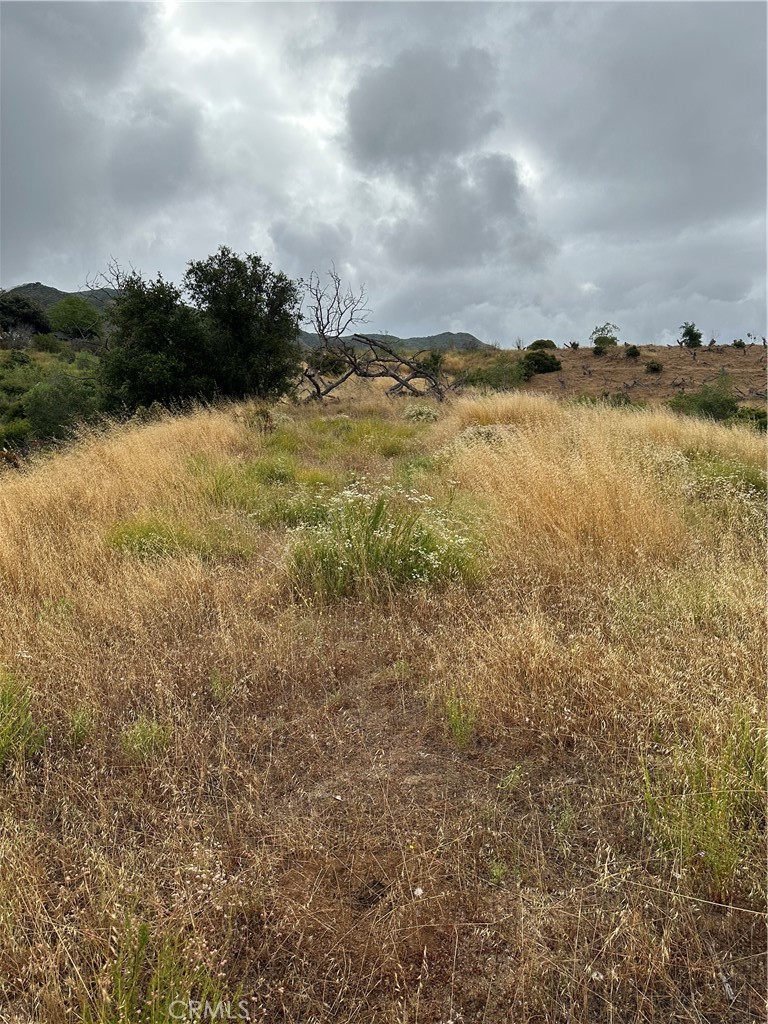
(385, 712)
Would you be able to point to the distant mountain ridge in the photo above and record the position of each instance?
(45, 296)
(437, 342)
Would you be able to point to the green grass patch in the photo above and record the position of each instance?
(372, 545)
(157, 537)
(711, 469)
(272, 492)
(81, 723)
(369, 434)
(707, 810)
(151, 981)
(145, 739)
(460, 719)
(20, 736)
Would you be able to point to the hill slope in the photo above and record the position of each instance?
(440, 342)
(362, 718)
(45, 296)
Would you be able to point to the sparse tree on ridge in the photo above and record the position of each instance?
(690, 335)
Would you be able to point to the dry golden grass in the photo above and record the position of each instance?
(454, 803)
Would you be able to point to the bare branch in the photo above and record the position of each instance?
(333, 311)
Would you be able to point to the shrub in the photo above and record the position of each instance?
(326, 362)
(15, 431)
(422, 414)
(654, 366)
(17, 311)
(602, 347)
(541, 343)
(49, 343)
(539, 361)
(714, 401)
(739, 343)
(144, 739)
(372, 545)
(54, 405)
(750, 416)
(632, 352)
(20, 736)
(500, 374)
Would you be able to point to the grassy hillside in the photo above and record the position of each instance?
(381, 713)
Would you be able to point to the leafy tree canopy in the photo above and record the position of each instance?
(16, 311)
(251, 313)
(605, 335)
(159, 350)
(690, 335)
(75, 317)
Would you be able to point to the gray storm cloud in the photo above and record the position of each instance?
(158, 151)
(404, 115)
(506, 169)
(468, 213)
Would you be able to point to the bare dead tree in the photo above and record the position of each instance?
(107, 287)
(333, 310)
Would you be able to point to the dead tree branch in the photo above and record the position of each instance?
(333, 311)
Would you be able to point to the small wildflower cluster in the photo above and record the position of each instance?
(378, 542)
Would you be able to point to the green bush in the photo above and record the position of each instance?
(49, 343)
(54, 405)
(422, 414)
(541, 343)
(713, 401)
(749, 416)
(373, 545)
(603, 337)
(632, 352)
(539, 361)
(326, 362)
(739, 343)
(17, 311)
(15, 431)
(501, 373)
(152, 538)
(602, 345)
(654, 366)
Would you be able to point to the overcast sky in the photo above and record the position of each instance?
(521, 169)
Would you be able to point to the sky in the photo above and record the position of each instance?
(514, 170)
